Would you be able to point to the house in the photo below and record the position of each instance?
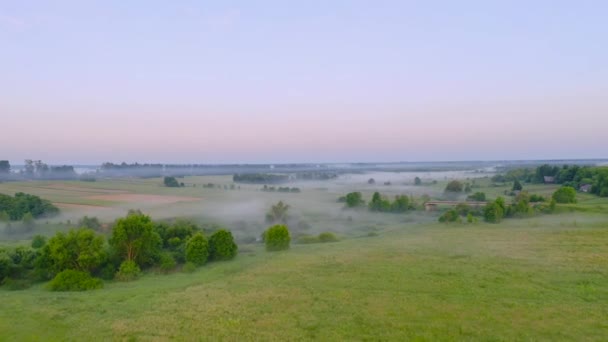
(549, 179)
(585, 188)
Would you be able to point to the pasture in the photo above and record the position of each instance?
(390, 277)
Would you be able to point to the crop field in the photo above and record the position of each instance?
(389, 277)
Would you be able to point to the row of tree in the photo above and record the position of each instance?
(568, 175)
(379, 203)
(15, 208)
(522, 205)
(79, 259)
(36, 169)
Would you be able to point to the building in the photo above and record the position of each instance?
(549, 179)
(585, 188)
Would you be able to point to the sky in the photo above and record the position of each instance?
(302, 81)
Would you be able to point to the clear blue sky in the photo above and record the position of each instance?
(300, 81)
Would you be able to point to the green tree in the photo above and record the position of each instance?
(401, 204)
(222, 245)
(517, 186)
(89, 222)
(565, 194)
(450, 216)
(171, 182)
(80, 250)
(5, 167)
(197, 249)
(494, 211)
(454, 186)
(277, 213)
(277, 238)
(379, 204)
(417, 181)
(38, 241)
(354, 199)
(477, 197)
(134, 239)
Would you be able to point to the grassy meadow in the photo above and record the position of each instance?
(390, 277)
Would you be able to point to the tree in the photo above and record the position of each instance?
(5, 167)
(565, 194)
(450, 216)
(277, 238)
(197, 249)
(417, 181)
(222, 245)
(354, 199)
(378, 203)
(478, 197)
(401, 204)
(494, 211)
(171, 182)
(134, 239)
(517, 186)
(80, 250)
(277, 213)
(90, 222)
(371, 181)
(454, 186)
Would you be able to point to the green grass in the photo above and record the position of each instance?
(522, 280)
(540, 278)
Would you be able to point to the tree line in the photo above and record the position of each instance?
(575, 176)
(82, 258)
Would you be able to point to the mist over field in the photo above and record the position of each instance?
(303, 170)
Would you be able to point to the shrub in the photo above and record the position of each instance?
(327, 237)
(17, 284)
(167, 262)
(494, 211)
(277, 238)
(189, 267)
(107, 272)
(38, 241)
(450, 216)
(478, 197)
(222, 246)
(72, 280)
(565, 194)
(353, 199)
(197, 249)
(129, 270)
(454, 186)
(306, 239)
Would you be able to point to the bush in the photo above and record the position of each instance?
(38, 241)
(167, 262)
(171, 182)
(189, 267)
(450, 216)
(72, 280)
(107, 272)
(306, 239)
(477, 197)
(454, 186)
(327, 237)
(277, 238)
(565, 194)
(197, 249)
(494, 211)
(222, 246)
(129, 270)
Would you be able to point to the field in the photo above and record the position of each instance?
(390, 277)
